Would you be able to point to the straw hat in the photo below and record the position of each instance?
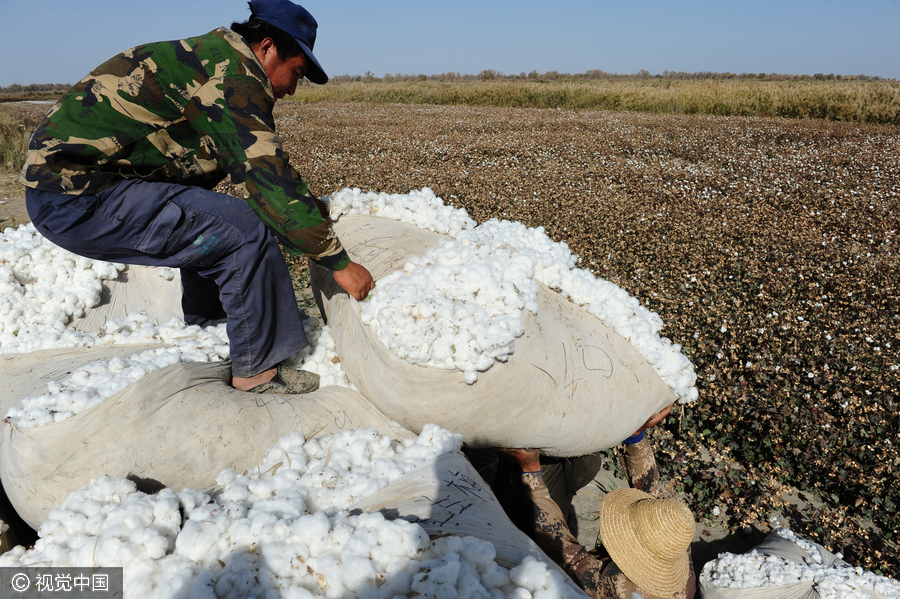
(648, 539)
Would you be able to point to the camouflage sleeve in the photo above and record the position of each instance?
(553, 536)
(239, 127)
(640, 465)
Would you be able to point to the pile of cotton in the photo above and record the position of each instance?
(459, 306)
(94, 382)
(320, 356)
(36, 273)
(754, 570)
(420, 208)
(99, 380)
(284, 529)
(42, 287)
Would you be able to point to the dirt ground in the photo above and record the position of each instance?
(12, 201)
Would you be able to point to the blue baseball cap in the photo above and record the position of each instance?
(296, 21)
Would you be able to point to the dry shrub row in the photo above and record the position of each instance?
(17, 121)
(862, 102)
(12, 141)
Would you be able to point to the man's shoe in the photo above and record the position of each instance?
(288, 381)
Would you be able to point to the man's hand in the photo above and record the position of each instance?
(529, 460)
(655, 419)
(356, 280)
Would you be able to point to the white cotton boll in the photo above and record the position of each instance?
(356, 572)
(154, 544)
(312, 530)
(292, 443)
(235, 493)
(450, 544)
(295, 592)
(168, 577)
(329, 567)
(478, 552)
(397, 538)
(320, 356)
(530, 574)
(261, 488)
(226, 477)
(197, 540)
(239, 578)
(398, 583)
(493, 575)
(188, 499)
(468, 583)
(554, 587)
(438, 579)
(202, 587)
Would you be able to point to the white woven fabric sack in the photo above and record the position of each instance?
(176, 427)
(572, 386)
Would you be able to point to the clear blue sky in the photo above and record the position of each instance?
(60, 41)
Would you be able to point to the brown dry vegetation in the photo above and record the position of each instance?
(768, 247)
(876, 102)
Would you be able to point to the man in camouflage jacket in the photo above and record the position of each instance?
(122, 169)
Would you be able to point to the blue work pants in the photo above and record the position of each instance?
(231, 265)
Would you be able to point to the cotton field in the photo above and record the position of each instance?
(768, 247)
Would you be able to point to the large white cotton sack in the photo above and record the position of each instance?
(155, 291)
(178, 427)
(572, 386)
(788, 567)
(446, 496)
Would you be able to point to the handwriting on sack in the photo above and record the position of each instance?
(458, 493)
(376, 250)
(585, 357)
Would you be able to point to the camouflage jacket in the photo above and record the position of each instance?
(190, 111)
(594, 571)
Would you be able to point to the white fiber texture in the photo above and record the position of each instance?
(459, 306)
(282, 530)
(44, 286)
(755, 570)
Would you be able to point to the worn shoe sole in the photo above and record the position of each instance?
(288, 381)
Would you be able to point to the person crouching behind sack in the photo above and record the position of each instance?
(645, 545)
